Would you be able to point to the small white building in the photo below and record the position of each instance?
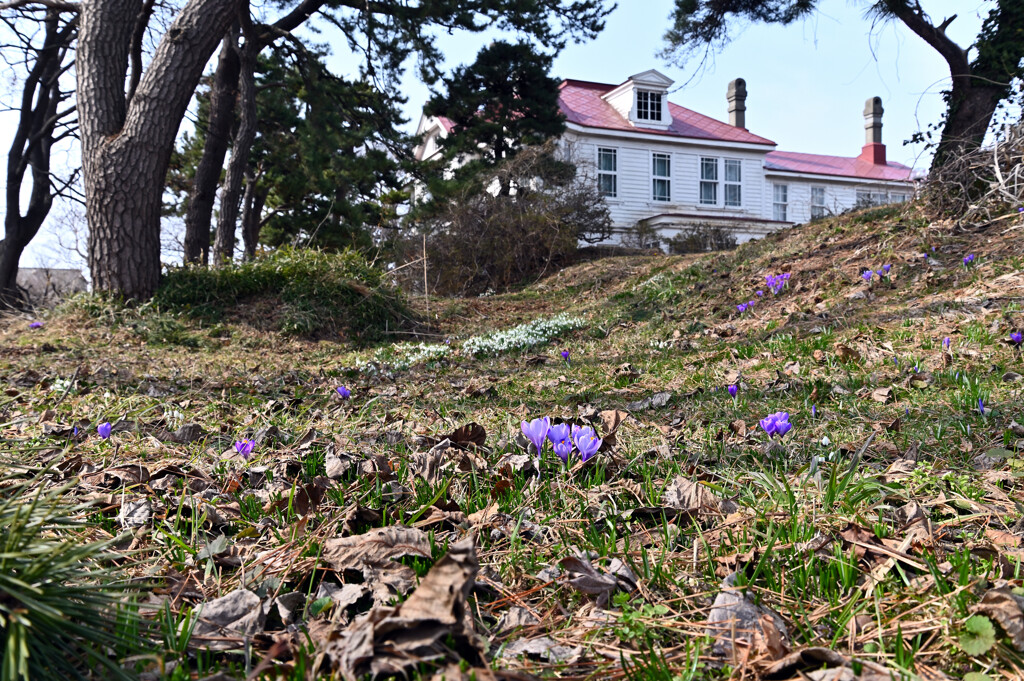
(664, 166)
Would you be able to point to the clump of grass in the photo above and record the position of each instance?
(318, 292)
(63, 613)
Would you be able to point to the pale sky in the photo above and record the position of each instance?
(806, 83)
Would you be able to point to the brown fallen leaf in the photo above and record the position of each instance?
(374, 555)
(435, 622)
(846, 354)
(685, 495)
(881, 395)
(469, 434)
(1006, 608)
(1002, 538)
(735, 622)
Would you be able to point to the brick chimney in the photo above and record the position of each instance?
(737, 98)
(873, 151)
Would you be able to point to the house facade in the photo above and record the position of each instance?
(669, 168)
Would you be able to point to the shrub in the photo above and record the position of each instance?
(524, 216)
(643, 236)
(313, 292)
(700, 238)
(63, 609)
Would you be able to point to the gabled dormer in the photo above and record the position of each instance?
(643, 100)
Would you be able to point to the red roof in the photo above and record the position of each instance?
(446, 123)
(835, 165)
(581, 103)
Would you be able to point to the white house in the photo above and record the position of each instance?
(665, 166)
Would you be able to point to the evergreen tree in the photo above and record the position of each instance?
(326, 152)
(502, 102)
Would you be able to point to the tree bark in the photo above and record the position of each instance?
(971, 107)
(978, 86)
(245, 135)
(126, 149)
(252, 210)
(30, 150)
(223, 92)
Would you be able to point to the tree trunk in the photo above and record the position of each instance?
(223, 92)
(970, 112)
(30, 150)
(252, 210)
(245, 135)
(126, 149)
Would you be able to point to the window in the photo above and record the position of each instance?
(662, 172)
(897, 198)
(648, 105)
(708, 181)
(780, 199)
(817, 203)
(869, 198)
(607, 172)
(733, 195)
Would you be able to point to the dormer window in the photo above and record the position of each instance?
(648, 105)
(643, 100)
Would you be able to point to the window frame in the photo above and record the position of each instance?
(711, 182)
(648, 105)
(727, 183)
(613, 153)
(818, 210)
(666, 179)
(784, 203)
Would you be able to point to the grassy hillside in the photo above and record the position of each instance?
(880, 535)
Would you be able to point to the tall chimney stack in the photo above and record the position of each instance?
(737, 98)
(873, 151)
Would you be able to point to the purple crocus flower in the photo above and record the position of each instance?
(968, 259)
(867, 275)
(562, 449)
(776, 424)
(759, 293)
(733, 389)
(742, 307)
(981, 406)
(814, 411)
(565, 356)
(886, 268)
(343, 392)
(588, 444)
(35, 325)
(946, 342)
(244, 448)
(104, 429)
(1016, 338)
(576, 432)
(558, 432)
(536, 431)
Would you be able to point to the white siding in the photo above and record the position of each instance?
(634, 200)
(840, 194)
